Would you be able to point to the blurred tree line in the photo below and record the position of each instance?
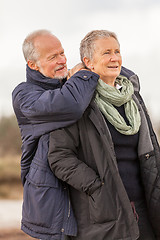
(10, 140)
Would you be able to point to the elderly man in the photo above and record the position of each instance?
(45, 102)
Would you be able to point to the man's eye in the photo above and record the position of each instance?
(53, 57)
(107, 53)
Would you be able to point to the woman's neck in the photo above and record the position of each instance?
(110, 82)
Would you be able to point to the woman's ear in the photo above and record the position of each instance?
(32, 65)
(88, 63)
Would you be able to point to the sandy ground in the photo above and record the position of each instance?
(10, 218)
(10, 213)
(14, 234)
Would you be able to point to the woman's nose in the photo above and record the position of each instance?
(114, 57)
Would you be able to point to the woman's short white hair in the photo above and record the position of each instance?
(29, 50)
(87, 45)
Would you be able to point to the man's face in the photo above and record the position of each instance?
(52, 60)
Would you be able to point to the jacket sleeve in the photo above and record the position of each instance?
(62, 104)
(65, 164)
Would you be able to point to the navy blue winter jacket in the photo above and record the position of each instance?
(41, 105)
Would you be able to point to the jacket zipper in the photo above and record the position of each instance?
(69, 209)
(69, 204)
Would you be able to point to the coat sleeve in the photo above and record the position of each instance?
(65, 164)
(62, 104)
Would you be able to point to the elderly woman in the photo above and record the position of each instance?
(110, 158)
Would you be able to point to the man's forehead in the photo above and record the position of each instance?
(46, 41)
(48, 45)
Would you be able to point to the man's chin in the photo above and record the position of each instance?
(60, 77)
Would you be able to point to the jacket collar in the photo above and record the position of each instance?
(132, 77)
(37, 78)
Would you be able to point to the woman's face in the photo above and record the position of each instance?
(107, 60)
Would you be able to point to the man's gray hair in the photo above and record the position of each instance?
(87, 45)
(29, 50)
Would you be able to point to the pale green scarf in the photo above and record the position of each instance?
(107, 97)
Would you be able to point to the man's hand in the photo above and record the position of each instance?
(76, 68)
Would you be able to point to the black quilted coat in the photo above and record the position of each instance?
(83, 156)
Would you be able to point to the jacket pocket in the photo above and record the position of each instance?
(44, 206)
(41, 176)
(102, 206)
(148, 170)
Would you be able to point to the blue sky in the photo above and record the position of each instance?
(136, 23)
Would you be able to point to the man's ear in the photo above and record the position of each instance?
(88, 63)
(32, 65)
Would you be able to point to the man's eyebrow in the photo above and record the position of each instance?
(51, 55)
(55, 54)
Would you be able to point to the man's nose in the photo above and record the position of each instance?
(62, 59)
